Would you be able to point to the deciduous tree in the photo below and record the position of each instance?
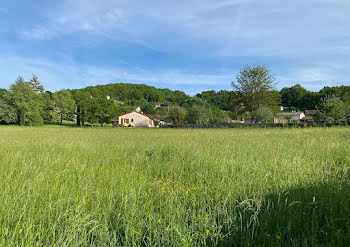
(255, 85)
(64, 104)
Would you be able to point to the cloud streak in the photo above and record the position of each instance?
(194, 44)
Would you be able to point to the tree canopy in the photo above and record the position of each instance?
(254, 94)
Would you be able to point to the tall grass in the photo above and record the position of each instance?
(164, 187)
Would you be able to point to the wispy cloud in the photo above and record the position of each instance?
(56, 76)
(56, 26)
(197, 44)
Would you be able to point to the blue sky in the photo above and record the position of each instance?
(190, 45)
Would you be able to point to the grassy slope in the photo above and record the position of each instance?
(240, 187)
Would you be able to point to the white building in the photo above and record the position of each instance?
(134, 119)
(287, 117)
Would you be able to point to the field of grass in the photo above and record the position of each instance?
(62, 186)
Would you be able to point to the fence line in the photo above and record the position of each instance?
(244, 125)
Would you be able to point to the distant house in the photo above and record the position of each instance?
(309, 115)
(158, 104)
(135, 119)
(237, 122)
(159, 120)
(287, 117)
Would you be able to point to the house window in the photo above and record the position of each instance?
(125, 120)
(132, 120)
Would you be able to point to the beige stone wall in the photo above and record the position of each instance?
(135, 119)
(293, 118)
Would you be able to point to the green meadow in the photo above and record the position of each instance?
(65, 186)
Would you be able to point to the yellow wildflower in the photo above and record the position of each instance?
(118, 214)
(159, 220)
(191, 240)
(183, 240)
(207, 231)
(155, 232)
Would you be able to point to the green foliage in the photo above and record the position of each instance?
(219, 99)
(105, 110)
(255, 86)
(204, 114)
(64, 104)
(342, 92)
(49, 114)
(83, 100)
(148, 108)
(8, 114)
(198, 115)
(253, 89)
(26, 98)
(292, 97)
(309, 101)
(177, 114)
(35, 118)
(332, 110)
(129, 93)
(263, 114)
(162, 111)
(2, 93)
(298, 98)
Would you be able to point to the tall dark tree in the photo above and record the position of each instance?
(26, 98)
(292, 96)
(309, 101)
(83, 100)
(48, 109)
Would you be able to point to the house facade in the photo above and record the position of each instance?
(288, 117)
(310, 115)
(134, 119)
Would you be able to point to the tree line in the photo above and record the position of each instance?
(253, 95)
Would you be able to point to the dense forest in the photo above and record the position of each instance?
(27, 102)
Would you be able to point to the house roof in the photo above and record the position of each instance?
(290, 113)
(307, 119)
(156, 117)
(129, 113)
(311, 112)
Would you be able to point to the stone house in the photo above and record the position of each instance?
(289, 117)
(135, 119)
